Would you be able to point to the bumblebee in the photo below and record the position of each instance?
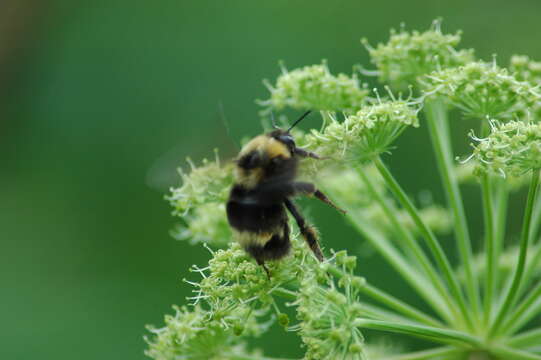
(265, 183)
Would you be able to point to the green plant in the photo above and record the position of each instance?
(483, 307)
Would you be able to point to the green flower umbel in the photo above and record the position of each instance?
(368, 132)
(328, 316)
(512, 148)
(406, 56)
(526, 69)
(314, 87)
(481, 90)
(200, 200)
(194, 335)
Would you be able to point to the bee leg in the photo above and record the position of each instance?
(308, 232)
(310, 189)
(262, 263)
(305, 153)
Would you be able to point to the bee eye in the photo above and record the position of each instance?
(288, 140)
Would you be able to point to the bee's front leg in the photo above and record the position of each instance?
(305, 153)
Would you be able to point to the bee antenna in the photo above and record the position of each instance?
(273, 120)
(299, 120)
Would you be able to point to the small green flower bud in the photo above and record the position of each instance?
(283, 320)
(314, 87)
(512, 148)
(407, 56)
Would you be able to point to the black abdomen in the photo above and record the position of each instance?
(255, 218)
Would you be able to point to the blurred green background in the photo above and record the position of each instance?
(101, 100)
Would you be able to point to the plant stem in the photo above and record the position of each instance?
(409, 241)
(508, 353)
(536, 218)
(285, 293)
(426, 354)
(437, 334)
(401, 265)
(517, 318)
(528, 338)
(502, 196)
(431, 240)
(524, 240)
(387, 299)
(438, 126)
(488, 213)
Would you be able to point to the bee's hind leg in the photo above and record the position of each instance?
(308, 232)
(310, 189)
(262, 263)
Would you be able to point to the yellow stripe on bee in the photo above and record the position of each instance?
(268, 145)
(250, 238)
(247, 238)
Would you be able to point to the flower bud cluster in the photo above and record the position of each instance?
(192, 334)
(328, 315)
(314, 87)
(466, 174)
(409, 55)
(525, 69)
(512, 148)
(366, 133)
(481, 90)
(234, 297)
(207, 183)
(206, 223)
(200, 200)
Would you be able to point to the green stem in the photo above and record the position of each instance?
(517, 318)
(426, 354)
(378, 313)
(436, 114)
(444, 336)
(524, 240)
(398, 305)
(248, 357)
(488, 212)
(431, 241)
(528, 338)
(401, 265)
(387, 299)
(531, 268)
(536, 218)
(285, 293)
(502, 196)
(508, 353)
(409, 241)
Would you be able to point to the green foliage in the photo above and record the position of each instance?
(480, 305)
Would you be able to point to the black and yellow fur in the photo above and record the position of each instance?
(266, 169)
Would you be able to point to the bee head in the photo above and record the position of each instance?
(285, 138)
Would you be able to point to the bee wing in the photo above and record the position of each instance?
(162, 174)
